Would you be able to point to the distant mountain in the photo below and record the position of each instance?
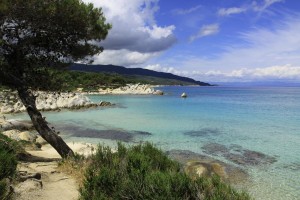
(134, 72)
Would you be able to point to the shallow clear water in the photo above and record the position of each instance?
(265, 120)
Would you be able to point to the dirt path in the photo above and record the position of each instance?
(54, 184)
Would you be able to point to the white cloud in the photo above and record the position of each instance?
(134, 29)
(206, 30)
(158, 67)
(186, 11)
(159, 32)
(274, 73)
(258, 48)
(282, 73)
(123, 57)
(262, 7)
(230, 11)
(254, 53)
(255, 6)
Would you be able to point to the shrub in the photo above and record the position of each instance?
(8, 162)
(145, 172)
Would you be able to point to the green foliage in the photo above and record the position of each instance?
(7, 157)
(65, 80)
(45, 34)
(145, 172)
(8, 162)
(71, 80)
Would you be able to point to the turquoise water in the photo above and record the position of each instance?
(265, 120)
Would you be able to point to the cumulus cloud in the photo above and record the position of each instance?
(158, 67)
(279, 72)
(123, 57)
(283, 73)
(186, 11)
(206, 30)
(230, 11)
(134, 31)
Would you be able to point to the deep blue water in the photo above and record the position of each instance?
(265, 120)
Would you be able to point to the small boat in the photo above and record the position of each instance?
(184, 95)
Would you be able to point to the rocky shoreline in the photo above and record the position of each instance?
(135, 89)
(47, 101)
(55, 101)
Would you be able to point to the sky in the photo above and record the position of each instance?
(208, 40)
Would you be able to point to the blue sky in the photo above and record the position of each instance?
(209, 40)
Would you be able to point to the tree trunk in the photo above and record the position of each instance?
(40, 123)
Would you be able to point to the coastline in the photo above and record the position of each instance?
(249, 130)
(55, 101)
(129, 89)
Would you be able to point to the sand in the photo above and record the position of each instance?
(55, 184)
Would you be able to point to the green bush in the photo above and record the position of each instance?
(145, 172)
(3, 189)
(7, 157)
(8, 162)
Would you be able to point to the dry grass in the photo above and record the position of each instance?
(76, 167)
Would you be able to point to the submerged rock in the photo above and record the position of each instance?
(215, 149)
(111, 134)
(203, 132)
(248, 157)
(200, 165)
(238, 154)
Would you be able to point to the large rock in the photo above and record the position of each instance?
(16, 124)
(40, 140)
(28, 186)
(45, 101)
(27, 136)
(13, 134)
(7, 109)
(18, 135)
(137, 89)
(158, 92)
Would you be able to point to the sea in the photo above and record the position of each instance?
(254, 128)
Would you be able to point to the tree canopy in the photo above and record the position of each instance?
(37, 35)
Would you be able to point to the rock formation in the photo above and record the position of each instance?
(138, 89)
(46, 101)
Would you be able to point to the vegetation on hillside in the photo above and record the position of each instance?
(145, 172)
(71, 80)
(65, 80)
